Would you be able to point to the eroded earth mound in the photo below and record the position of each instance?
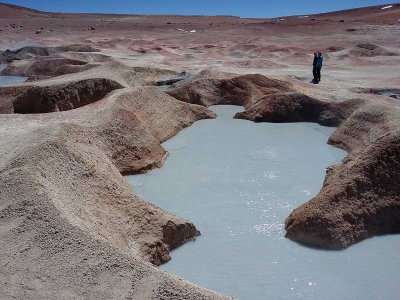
(45, 62)
(243, 90)
(45, 67)
(29, 52)
(63, 97)
(370, 50)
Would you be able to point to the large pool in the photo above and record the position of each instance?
(238, 181)
(7, 80)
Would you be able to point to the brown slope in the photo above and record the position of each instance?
(371, 13)
(363, 14)
(11, 11)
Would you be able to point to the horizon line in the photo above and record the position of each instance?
(194, 15)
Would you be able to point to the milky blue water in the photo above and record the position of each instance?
(238, 181)
(6, 80)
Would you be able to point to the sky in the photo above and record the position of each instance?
(242, 8)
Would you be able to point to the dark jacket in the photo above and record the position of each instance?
(319, 61)
(314, 64)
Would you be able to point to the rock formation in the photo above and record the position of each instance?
(46, 67)
(243, 90)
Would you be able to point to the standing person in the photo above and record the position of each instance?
(318, 67)
(314, 69)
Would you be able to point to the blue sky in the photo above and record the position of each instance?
(243, 8)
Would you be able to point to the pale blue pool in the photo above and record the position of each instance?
(8, 80)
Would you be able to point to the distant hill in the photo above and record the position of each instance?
(384, 13)
(380, 13)
(11, 11)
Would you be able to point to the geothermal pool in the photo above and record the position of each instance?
(6, 80)
(238, 181)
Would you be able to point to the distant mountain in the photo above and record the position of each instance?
(11, 11)
(388, 13)
(380, 13)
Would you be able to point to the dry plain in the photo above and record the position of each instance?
(91, 112)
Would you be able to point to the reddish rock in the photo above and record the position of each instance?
(175, 235)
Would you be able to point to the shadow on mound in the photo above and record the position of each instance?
(63, 97)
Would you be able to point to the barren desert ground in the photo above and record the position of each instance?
(91, 112)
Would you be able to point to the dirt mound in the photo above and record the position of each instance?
(45, 67)
(370, 50)
(253, 63)
(203, 74)
(29, 52)
(359, 198)
(242, 90)
(89, 57)
(265, 100)
(61, 98)
(296, 107)
(334, 49)
(7, 94)
(75, 48)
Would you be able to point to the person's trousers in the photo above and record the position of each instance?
(317, 75)
(314, 72)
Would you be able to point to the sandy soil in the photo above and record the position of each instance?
(70, 224)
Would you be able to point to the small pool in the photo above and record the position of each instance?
(238, 181)
(8, 80)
